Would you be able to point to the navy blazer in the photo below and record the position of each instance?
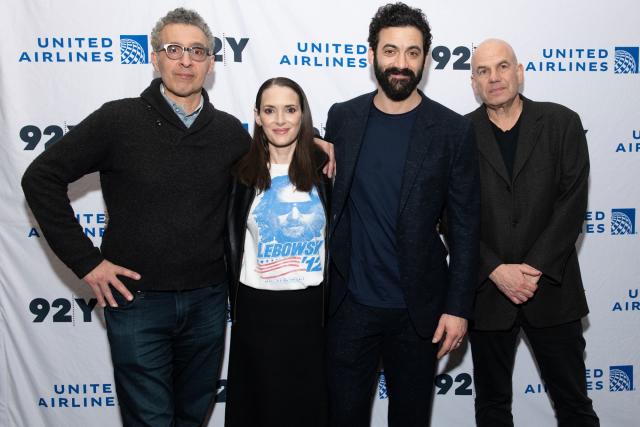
(440, 174)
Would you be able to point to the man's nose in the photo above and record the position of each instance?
(186, 61)
(295, 213)
(494, 76)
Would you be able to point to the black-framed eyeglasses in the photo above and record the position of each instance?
(175, 51)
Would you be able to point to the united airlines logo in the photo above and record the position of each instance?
(87, 395)
(620, 60)
(93, 225)
(326, 54)
(631, 146)
(570, 60)
(630, 302)
(382, 386)
(134, 49)
(623, 221)
(626, 60)
(621, 378)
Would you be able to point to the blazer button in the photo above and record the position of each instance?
(158, 122)
(514, 223)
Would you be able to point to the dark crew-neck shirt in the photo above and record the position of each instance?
(374, 278)
(508, 144)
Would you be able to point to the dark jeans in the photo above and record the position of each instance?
(166, 349)
(559, 352)
(358, 336)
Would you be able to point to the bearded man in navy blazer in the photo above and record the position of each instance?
(403, 161)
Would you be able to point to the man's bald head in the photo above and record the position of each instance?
(490, 46)
(496, 76)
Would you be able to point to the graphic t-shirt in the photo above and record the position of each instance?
(284, 243)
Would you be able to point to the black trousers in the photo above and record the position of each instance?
(559, 353)
(358, 336)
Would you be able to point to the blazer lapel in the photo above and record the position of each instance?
(352, 135)
(419, 142)
(529, 130)
(487, 144)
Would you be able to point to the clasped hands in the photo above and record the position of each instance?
(518, 282)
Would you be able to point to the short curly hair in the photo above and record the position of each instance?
(399, 15)
(180, 16)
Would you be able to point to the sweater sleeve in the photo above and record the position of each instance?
(85, 149)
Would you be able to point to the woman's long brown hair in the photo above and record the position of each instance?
(253, 168)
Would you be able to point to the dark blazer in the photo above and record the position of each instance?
(240, 199)
(534, 217)
(440, 172)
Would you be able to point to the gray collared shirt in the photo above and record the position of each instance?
(187, 119)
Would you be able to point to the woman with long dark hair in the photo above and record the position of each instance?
(277, 225)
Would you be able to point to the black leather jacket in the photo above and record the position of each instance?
(240, 200)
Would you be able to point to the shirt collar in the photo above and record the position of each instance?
(177, 108)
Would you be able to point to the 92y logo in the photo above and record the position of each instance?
(444, 383)
(32, 135)
(62, 310)
(442, 55)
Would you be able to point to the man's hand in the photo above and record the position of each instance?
(517, 281)
(107, 273)
(532, 278)
(330, 168)
(452, 329)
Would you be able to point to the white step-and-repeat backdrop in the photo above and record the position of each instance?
(62, 59)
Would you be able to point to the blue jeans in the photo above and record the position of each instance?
(166, 349)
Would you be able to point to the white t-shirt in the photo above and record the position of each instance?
(284, 243)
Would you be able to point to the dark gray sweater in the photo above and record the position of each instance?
(165, 188)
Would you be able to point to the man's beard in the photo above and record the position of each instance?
(397, 90)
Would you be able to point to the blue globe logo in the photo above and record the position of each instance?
(619, 380)
(132, 52)
(382, 387)
(624, 63)
(621, 223)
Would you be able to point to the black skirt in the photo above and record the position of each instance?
(276, 373)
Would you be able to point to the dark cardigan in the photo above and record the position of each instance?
(165, 187)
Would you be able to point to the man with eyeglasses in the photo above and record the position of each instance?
(164, 160)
